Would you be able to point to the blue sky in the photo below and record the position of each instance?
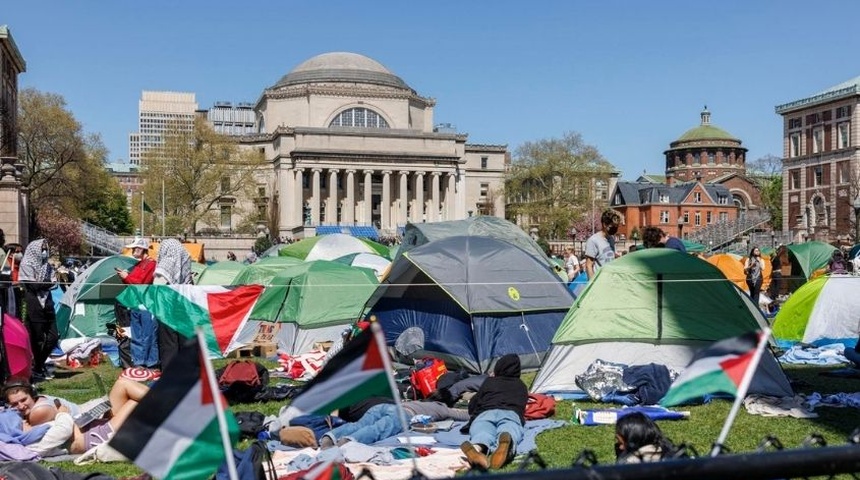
(630, 76)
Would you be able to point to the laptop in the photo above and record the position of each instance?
(94, 409)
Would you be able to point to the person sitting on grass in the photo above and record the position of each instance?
(639, 440)
(497, 416)
(36, 409)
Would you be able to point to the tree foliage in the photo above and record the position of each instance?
(200, 169)
(63, 166)
(553, 183)
(766, 172)
(62, 232)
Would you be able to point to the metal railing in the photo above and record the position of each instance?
(100, 238)
(721, 235)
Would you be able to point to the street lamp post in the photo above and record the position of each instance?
(772, 239)
(635, 236)
(857, 219)
(573, 233)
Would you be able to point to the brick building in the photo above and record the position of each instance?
(820, 163)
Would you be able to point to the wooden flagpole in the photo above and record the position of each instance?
(742, 391)
(386, 362)
(219, 407)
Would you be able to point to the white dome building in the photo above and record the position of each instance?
(353, 145)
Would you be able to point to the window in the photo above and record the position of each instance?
(698, 219)
(262, 211)
(485, 187)
(226, 217)
(794, 123)
(664, 198)
(708, 217)
(686, 217)
(261, 191)
(817, 176)
(664, 216)
(724, 216)
(225, 185)
(844, 169)
(723, 200)
(842, 135)
(359, 117)
(794, 179)
(711, 158)
(794, 145)
(813, 118)
(697, 158)
(843, 112)
(697, 197)
(484, 163)
(817, 140)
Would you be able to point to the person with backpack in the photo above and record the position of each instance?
(753, 268)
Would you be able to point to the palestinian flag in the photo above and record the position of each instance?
(173, 433)
(222, 312)
(355, 373)
(330, 470)
(716, 369)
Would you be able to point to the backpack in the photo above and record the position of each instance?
(250, 423)
(255, 463)
(539, 406)
(242, 380)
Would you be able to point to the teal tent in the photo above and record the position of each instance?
(263, 270)
(88, 303)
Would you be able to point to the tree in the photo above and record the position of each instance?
(553, 183)
(62, 232)
(766, 172)
(63, 166)
(200, 170)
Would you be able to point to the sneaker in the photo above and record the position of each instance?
(500, 457)
(475, 458)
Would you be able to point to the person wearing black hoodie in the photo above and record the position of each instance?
(497, 416)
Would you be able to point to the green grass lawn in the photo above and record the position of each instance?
(561, 446)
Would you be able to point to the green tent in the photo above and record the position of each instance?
(220, 273)
(810, 256)
(196, 269)
(822, 311)
(311, 302)
(88, 303)
(329, 247)
(263, 270)
(655, 305)
(693, 247)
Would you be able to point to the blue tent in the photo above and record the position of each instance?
(469, 300)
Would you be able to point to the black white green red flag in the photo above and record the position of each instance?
(719, 368)
(173, 433)
(355, 373)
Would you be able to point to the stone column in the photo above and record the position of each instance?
(434, 197)
(418, 208)
(286, 197)
(299, 198)
(450, 194)
(349, 203)
(315, 196)
(367, 211)
(385, 210)
(403, 198)
(460, 186)
(331, 205)
(14, 220)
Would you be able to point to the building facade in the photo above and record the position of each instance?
(13, 198)
(820, 163)
(158, 113)
(352, 144)
(228, 119)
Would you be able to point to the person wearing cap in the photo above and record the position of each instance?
(144, 327)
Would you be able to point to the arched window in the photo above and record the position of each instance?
(359, 117)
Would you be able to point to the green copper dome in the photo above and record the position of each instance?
(705, 132)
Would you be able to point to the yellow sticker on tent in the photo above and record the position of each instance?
(514, 294)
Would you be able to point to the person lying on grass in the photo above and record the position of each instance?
(497, 416)
(36, 409)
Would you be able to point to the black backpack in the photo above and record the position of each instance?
(251, 464)
(241, 381)
(250, 423)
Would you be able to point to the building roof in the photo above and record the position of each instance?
(703, 133)
(844, 89)
(638, 193)
(17, 58)
(651, 178)
(342, 67)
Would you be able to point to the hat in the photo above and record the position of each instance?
(138, 243)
